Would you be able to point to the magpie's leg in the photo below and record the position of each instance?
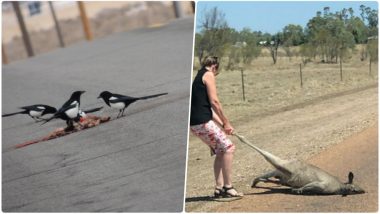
(67, 125)
(118, 114)
(70, 125)
(122, 113)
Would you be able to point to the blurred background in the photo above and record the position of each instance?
(36, 27)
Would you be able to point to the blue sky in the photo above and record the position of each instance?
(273, 16)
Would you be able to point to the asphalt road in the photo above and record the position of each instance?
(132, 164)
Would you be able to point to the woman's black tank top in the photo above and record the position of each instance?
(200, 103)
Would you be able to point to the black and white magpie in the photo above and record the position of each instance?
(70, 110)
(121, 102)
(34, 111)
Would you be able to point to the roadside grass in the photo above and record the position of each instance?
(269, 87)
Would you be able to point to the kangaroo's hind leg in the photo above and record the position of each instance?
(266, 178)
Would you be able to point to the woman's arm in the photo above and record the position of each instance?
(209, 81)
(217, 119)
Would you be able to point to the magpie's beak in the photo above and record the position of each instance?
(82, 92)
(99, 97)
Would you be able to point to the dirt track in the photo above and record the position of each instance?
(317, 132)
(357, 153)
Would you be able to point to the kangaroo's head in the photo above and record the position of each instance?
(350, 188)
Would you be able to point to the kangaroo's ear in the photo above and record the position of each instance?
(350, 177)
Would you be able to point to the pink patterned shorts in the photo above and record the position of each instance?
(214, 137)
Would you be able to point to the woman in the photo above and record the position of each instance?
(205, 121)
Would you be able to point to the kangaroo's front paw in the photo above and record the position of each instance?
(297, 191)
(254, 182)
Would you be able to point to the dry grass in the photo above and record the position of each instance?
(270, 87)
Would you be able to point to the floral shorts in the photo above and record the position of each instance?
(214, 137)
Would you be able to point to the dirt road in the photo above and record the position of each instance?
(341, 128)
(357, 154)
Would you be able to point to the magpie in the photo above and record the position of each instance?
(121, 102)
(34, 111)
(70, 110)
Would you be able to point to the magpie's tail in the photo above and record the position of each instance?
(47, 119)
(92, 110)
(20, 112)
(151, 96)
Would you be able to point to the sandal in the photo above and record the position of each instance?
(230, 195)
(219, 192)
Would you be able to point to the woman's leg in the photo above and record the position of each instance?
(227, 159)
(227, 168)
(215, 138)
(218, 164)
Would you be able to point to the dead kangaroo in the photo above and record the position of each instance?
(303, 178)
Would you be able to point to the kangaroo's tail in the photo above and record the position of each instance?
(272, 159)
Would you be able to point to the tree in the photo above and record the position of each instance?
(330, 36)
(213, 38)
(199, 47)
(250, 50)
(292, 36)
(234, 57)
(272, 43)
(307, 52)
(371, 16)
(244, 50)
(276, 41)
(373, 49)
(358, 29)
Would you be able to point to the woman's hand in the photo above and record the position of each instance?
(228, 128)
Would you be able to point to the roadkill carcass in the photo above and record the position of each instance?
(303, 178)
(86, 122)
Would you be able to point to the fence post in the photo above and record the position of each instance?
(59, 33)
(370, 61)
(178, 11)
(301, 75)
(4, 55)
(85, 22)
(193, 6)
(24, 32)
(242, 82)
(341, 71)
